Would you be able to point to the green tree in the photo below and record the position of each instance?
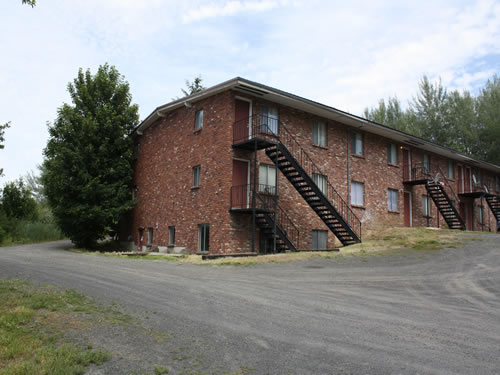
(488, 117)
(31, 3)
(2, 139)
(87, 167)
(17, 201)
(390, 114)
(193, 87)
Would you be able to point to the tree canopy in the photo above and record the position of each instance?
(457, 119)
(31, 3)
(87, 168)
(17, 201)
(2, 139)
(193, 87)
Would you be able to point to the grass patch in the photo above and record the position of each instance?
(25, 232)
(32, 325)
(388, 241)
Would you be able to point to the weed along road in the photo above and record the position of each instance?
(407, 312)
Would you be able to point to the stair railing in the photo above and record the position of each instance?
(306, 162)
(283, 220)
(421, 171)
(256, 126)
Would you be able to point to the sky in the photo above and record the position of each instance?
(346, 54)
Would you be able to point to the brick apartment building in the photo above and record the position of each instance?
(242, 167)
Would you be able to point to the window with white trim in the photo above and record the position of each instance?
(357, 143)
(319, 239)
(392, 154)
(203, 237)
(321, 182)
(196, 175)
(150, 236)
(426, 163)
(357, 193)
(267, 178)
(198, 120)
(481, 215)
(319, 135)
(392, 200)
(426, 205)
(451, 169)
(269, 119)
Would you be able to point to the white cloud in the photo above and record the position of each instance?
(230, 8)
(347, 55)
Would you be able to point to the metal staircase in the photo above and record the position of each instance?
(299, 168)
(444, 205)
(423, 174)
(287, 235)
(494, 204)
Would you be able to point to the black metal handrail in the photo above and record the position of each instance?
(427, 172)
(258, 126)
(306, 162)
(265, 199)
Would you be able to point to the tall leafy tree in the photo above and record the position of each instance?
(87, 168)
(193, 87)
(31, 3)
(390, 113)
(488, 117)
(17, 201)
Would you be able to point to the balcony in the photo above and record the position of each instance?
(258, 131)
(242, 198)
(418, 174)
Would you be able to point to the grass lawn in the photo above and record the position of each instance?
(378, 242)
(33, 321)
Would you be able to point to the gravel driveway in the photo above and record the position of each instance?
(420, 312)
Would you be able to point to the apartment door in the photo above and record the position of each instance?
(468, 182)
(242, 119)
(407, 208)
(406, 165)
(240, 191)
(460, 180)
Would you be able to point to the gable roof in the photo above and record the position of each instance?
(278, 96)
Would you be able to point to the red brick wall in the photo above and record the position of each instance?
(170, 148)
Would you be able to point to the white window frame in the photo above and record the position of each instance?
(426, 163)
(451, 170)
(319, 134)
(357, 144)
(319, 239)
(269, 119)
(481, 215)
(392, 154)
(196, 175)
(321, 182)
(357, 198)
(426, 206)
(203, 237)
(392, 200)
(150, 236)
(267, 178)
(198, 120)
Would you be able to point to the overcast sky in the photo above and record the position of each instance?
(347, 54)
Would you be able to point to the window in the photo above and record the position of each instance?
(357, 193)
(150, 236)
(136, 150)
(267, 179)
(392, 200)
(426, 205)
(451, 169)
(357, 143)
(426, 163)
(134, 192)
(269, 120)
(481, 215)
(321, 182)
(171, 235)
(319, 135)
(203, 237)
(392, 154)
(198, 120)
(196, 175)
(497, 183)
(319, 239)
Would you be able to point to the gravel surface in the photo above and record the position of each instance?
(418, 312)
